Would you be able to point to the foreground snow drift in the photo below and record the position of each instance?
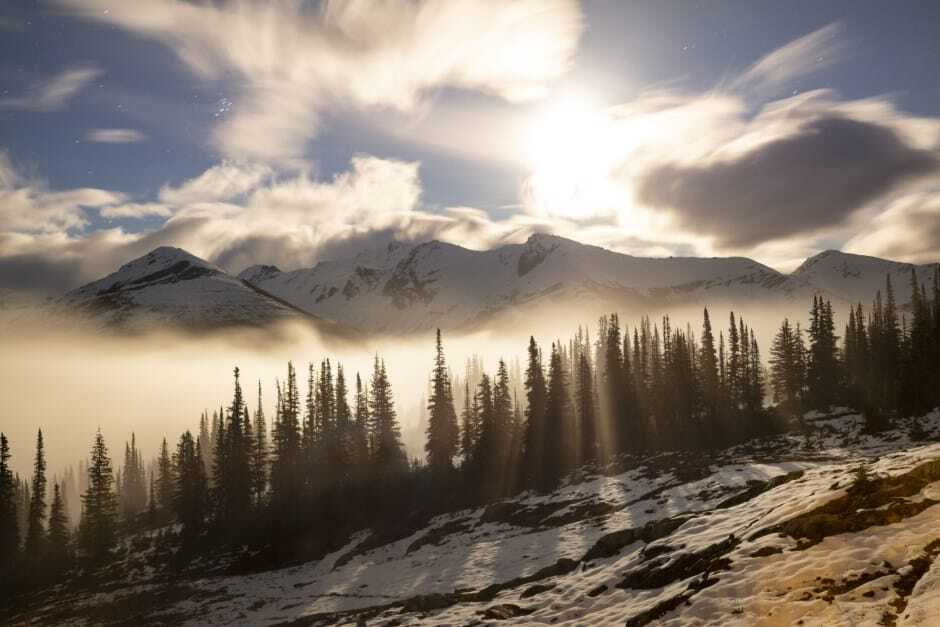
(773, 533)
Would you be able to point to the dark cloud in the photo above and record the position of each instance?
(39, 275)
(796, 184)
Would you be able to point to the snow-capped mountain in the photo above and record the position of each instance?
(171, 285)
(415, 287)
(857, 278)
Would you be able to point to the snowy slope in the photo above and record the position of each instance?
(171, 285)
(405, 287)
(757, 535)
(857, 278)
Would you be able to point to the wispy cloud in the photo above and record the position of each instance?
(135, 210)
(53, 94)
(29, 207)
(114, 135)
(801, 57)
(293, 61)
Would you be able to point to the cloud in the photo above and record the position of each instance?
(801, 57)
(221, 182)
(114, 135)
(908, 230)
(239, 215)
(816, 175)
(52, 95)
(35, 272)
(294, 62)
(29, 207)
(135, 210)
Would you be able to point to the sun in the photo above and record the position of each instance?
(571, 148)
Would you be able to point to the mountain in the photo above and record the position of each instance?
(774, 532)
(416, 287)
(171, 285)
(857, 278)
(407, 288)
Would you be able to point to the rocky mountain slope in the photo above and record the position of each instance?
(415, 287)
(169, 285)
(777, 532)
(856, 278)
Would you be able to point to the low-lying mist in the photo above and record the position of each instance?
(71, 380)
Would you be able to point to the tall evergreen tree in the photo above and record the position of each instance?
(388, 455)
(35, 530)
(470, 428)
(557, 416)
(536, 400)
(361, 439)
(734, 363)
(587, 415)
(708, 366)
(442, 431)
(164, 483)
(233, 477)
(787, 370)
(98, 530)
(9, 522)
(191, 488)
(59, 538)
(133, 482)
(286, 466)
(822, 366)
(259, 457)
(486, 444)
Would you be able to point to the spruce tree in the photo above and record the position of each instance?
(259, 459)
(587, 416)
(486, 443)
(35, 530)
(362, 436)
(708, 367)
(98, 530)
(190, 495)
(442, 431)
(58, 542)
(286, 469)
(164, 480)
(233, 477)
(388, 455)
(502, 415)
(787, 370)
(734, 364)
(470, 428)
(344, 422)
(9, 522)
(536, 398)
(133, 482)
(557, 416)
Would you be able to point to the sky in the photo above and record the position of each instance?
(289, 132)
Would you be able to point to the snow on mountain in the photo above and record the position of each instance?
(416, 287)
(857, 278)
(171, 285)
(405, 288)
(774, 532)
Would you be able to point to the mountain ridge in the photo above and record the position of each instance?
(405, 287)
(170, 284)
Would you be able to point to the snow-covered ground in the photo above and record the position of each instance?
(763, 534)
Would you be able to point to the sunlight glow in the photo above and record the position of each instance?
(572, 147)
